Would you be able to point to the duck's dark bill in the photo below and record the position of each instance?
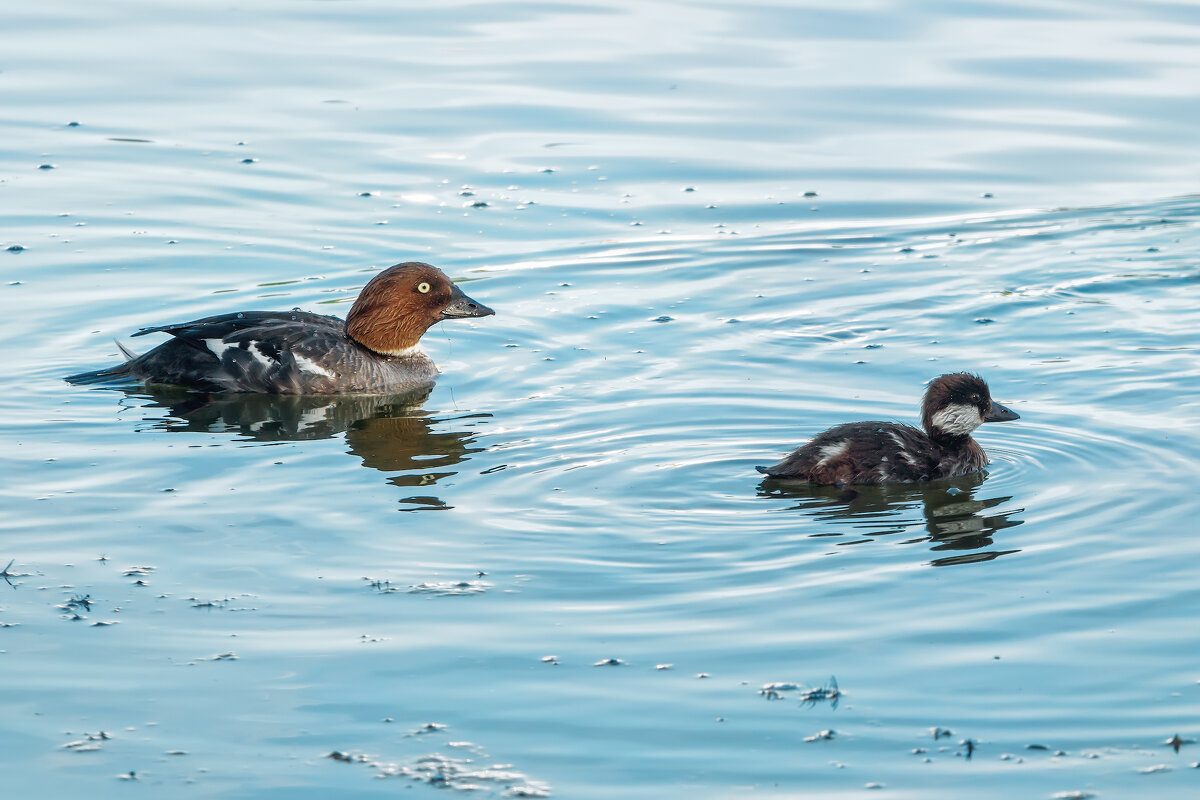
(462, 306)
(998, 413)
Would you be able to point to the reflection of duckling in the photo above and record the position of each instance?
(952, 517)
(297, 352)
(887, 452)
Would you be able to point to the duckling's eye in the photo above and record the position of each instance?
(975, 398)
(423, 287)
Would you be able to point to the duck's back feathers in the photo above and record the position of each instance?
(293, 352)
(875, 452)
(223, 325)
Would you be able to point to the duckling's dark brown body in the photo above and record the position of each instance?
(888, 452)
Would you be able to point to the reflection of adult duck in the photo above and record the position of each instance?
(390, 433)
(271, 417)
(951, 514)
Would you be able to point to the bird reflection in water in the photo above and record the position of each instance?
(390, 433)
(954, 518)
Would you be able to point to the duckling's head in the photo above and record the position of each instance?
(957, 404)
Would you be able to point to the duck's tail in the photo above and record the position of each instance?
(119, 372)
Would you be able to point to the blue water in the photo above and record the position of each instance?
(709, 232)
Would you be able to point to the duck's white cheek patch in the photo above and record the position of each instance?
(217, 346)
(308, 365)
(957, 420)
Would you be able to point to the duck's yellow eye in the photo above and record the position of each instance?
(423, 287)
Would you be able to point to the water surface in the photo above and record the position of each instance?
(709, 233)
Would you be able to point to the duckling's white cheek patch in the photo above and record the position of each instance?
(957, 420)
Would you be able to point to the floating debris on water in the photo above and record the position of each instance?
(461, 774)
(779, 689)
(821, 736)
(1154, 770)
(774, 691)
(970, 745)
(1176, 742)
(609, 662)
(80, 602)
(439, 588)
(222, 603)
(8, 574)
(89, 743)
(450, 588)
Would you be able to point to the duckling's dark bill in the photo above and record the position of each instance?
(998, 413)
(462, 307)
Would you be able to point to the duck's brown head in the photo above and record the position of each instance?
(399, 304)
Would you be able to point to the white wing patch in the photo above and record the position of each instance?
(254, 348)
(308, 365)
(831, 451)
(218, 346)
(260, 356)
(957, 420)
(904, 454)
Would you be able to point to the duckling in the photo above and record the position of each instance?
(889, 452)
